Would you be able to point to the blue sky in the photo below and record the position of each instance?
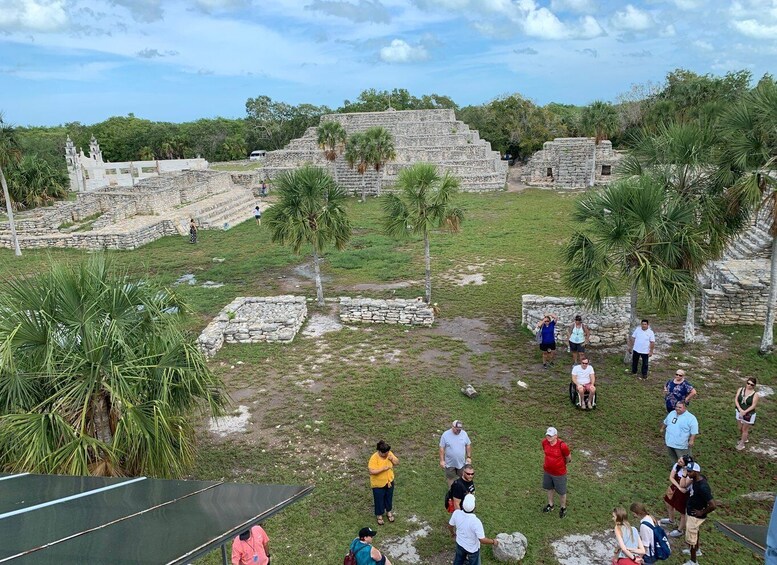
(76, 60)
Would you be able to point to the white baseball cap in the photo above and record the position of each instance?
(468, 504)
(551, 431)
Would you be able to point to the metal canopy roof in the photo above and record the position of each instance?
(63, 519)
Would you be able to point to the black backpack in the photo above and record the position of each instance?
(660, 550)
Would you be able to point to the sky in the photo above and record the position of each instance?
(174, 60)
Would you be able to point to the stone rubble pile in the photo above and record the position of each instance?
(273, 319)
(609, 326)
(394, 311)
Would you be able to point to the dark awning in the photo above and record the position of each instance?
(64, 519)
(752, 537)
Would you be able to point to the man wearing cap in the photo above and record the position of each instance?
(455, 451)
(680, 429)
(467, 529)
(700, 503)
(251, 546)
(365, 553)
(554, 479)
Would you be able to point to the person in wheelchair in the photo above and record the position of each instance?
(584, 383)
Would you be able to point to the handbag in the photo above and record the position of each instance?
(538, 336)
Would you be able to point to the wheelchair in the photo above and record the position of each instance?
(573, 396)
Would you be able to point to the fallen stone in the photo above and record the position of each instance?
(469, 391)
(218, 259)
(511, 547)
(760, 495)
(211, 284)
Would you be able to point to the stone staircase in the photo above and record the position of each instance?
(433, 136)
(224, 211)
(754, 242)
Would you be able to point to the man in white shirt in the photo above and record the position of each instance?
(642, 342)
(468, 531)
(584, 378)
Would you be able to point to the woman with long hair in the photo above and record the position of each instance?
(630, 547)
(676, 496)
(746, 399)
(645, 531)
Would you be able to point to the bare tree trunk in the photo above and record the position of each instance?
(767, 341)
(690, 320)
(364, 188)
(379, 174)
(428, 260)
(9, 209)
(334, 172)
(319, 286)
(632, 320)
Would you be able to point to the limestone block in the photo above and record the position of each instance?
(511, 548)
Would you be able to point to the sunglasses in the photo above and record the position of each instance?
(679, 375)
(472, 474)
(584, 362)
(750, 384)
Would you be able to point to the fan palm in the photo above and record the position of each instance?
(599, 119)
(680, 157)
(749, 164)
(634, 234)
(423, 202)
(310, 210)
(9, 153)
(331, 138)
(357, 154)
(97, 376)
(381, 150)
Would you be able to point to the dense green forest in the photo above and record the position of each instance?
(512, 123)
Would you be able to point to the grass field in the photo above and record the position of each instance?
(319, 405)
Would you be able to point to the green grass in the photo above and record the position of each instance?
(364, 392)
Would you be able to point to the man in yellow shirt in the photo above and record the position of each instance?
(381, 469)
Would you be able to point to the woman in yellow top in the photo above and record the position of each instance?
(381, 468)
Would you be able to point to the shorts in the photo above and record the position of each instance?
(576, 347)
(452, 473)
(554, 482)
(548, 346)
(739, 418)
(692, 525)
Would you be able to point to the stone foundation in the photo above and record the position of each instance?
(394, 311)
(254, 319)
(739, 293)
(609, 326)
(571, 162)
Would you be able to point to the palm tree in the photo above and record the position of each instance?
(36, 183)
(357, 154)
(331, 138)
(680, 157)
(310, 210)
(749, 164)
(9, 153)
(423, 202)
(381, 150)
(98, 376)
(634, 234)
(599, 119)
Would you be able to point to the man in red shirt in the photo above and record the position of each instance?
(252, 547)
(554, 479)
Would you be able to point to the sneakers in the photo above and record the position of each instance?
(740, 446)
(562, 512)
(665, 521)
(687, 551)
(675, 534)
(689, 562)
(544, 365)
(548, 508)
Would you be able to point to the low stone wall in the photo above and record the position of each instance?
(739, 293)
(254, 319)
(394, 311)
(609, 326)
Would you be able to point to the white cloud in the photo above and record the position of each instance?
(577, 6)
(687, 4)
(703, 45)
(363, 11)
(544, 24)
(402, 52)
(755, 29)
(32, 15)
(668, 31)
(632, 19)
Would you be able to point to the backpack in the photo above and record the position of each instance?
(449, 500)
(660, 550)
(350, 557)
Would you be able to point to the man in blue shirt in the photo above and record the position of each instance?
(681, 428)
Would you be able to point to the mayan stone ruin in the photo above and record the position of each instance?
(571, 162)
(432, 136)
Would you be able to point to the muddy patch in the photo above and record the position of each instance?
(472, 332)
(600, 465)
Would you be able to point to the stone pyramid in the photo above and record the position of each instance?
(432, 136)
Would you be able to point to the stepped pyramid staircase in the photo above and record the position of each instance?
(432, 136)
